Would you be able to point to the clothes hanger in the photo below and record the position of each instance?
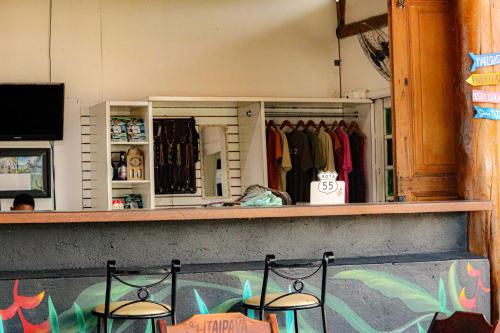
(335, 125)
(343, 124)
(310, 123)
(354, 127)
(322, 124)
(300, 124)
(286, 123)
(270, 124)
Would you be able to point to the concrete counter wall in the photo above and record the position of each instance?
(393, 296)
(35, 247)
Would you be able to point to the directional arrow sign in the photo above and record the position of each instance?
(487, 79)
(487, 113)
(483, 60)
(486, 96)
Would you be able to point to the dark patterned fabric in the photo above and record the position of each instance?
(176, 143)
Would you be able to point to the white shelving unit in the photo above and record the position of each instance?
(102, 151)
(244, 118)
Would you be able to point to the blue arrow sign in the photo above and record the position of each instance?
(483, 60)
(487, 113)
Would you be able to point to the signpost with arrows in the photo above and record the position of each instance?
(486, 79)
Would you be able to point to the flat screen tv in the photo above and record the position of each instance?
(31, 112)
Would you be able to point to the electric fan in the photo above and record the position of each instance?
(375, 44)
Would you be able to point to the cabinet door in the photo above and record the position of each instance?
(425, 114)
(252, 145)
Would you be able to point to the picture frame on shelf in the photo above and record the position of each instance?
(25, 170)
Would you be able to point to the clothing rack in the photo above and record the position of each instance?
(312, 114)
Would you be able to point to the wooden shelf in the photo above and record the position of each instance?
(237, 213)
(128, 143)
(125, 182)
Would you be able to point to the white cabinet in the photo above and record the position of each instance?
(103, 151)
(244, 119)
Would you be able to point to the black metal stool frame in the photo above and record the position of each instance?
(271, 265)
(114, 273)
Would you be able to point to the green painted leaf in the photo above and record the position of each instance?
(442, 298)
(148, 327)
(420, 328)
(53, 319)
(289, 322)
(1, 324)
(110, 325)
(356, 322)
(412, 295)
(80, 318)
(454, 288)
(247, 290)
(201, 304)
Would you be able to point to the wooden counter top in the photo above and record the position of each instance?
(176, 214)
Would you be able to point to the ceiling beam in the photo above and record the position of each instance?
(356, 28)
(340, 12)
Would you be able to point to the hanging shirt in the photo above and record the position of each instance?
(286, 162)
(345, 162)
(317, 158)
(274, 155)
(337, 148)
(326, 150)
(357, 183)
(315, 149)
(299, 178)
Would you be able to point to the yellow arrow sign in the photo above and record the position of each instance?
(488, 79)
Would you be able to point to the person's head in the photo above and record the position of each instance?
(23, 202)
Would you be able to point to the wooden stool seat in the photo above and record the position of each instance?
(137, 309)
(286, 300)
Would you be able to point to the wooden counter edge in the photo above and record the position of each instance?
(234, 213)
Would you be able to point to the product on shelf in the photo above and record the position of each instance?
(118, 203)
(114, 170)
(135, 164)
(133, 201)
(122, 167)
(118, 129)
(136, 130)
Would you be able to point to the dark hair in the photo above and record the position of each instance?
(24, 199)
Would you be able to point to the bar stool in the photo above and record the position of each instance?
(295, 300)
(142, 307)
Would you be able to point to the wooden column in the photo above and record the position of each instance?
(479, 156)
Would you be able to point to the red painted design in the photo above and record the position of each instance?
(25, 303)
(471, 303)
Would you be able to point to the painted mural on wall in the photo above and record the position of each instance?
(397, 294)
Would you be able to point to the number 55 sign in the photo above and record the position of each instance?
(328, 191)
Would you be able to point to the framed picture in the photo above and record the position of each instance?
(25, 171)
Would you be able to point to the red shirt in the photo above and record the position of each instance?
(345, 161)
(274, 155)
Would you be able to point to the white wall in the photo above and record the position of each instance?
(116, 49)
(357, 70)
(129, 49)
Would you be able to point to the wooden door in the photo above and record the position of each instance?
(424, 55)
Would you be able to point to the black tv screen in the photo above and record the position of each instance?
(31, 112)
